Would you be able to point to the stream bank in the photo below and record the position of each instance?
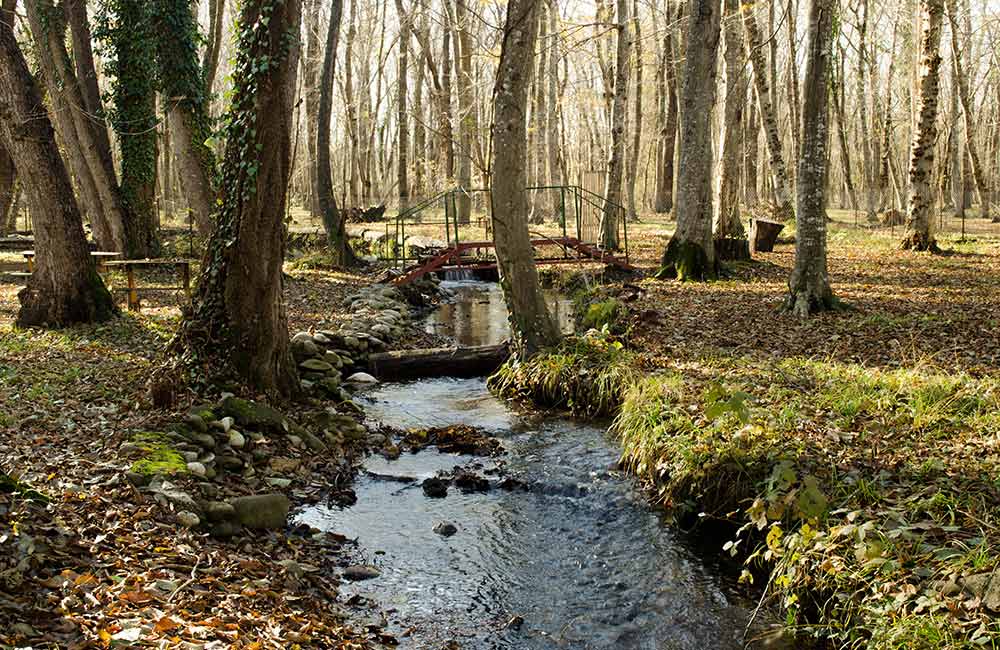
(552, 547)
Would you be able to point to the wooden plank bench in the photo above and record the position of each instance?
(100, 257)
(131, 266)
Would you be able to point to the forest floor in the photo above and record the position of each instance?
(852, 456)
(886, 415)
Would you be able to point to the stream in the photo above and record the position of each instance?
(577, 558)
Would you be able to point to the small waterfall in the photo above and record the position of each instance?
(459, 275)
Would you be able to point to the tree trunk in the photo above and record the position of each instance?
(65, 287)
(402, 115)
(237, 327)
(768, 117)
(552, 124)
(978, 172)
(792, 78)
(668, 133)
(613, 184)
(810, 284)
(186, 96)
(919, 224)
(536, 132)
(333, 218)
(210, 65)
(311, 63)
(8, 185)
(845, 154)
(98, 188)
(730, 236)
(690, 254)
(955, 150)
(632, 164)
(466, 110)
(751, 136)
(446, 150)
(419, 132)
(531, 326)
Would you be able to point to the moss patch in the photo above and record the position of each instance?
(159, 456)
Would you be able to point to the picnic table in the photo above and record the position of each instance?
(131, 266)
(101, 257)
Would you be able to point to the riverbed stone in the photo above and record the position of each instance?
(316, 365)
(196, 422)
(435, 488)
(445, 529)
(219, 511)
(197, 468)
(253, 414)
(361, 378)
(262, 511)
(188, 519)
(357, 572)
(236, 439)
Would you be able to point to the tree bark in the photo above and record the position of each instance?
(65, 287)
(532, 329)
(237, 327)
(186, 98)
(632, 164)
(728, 224)
(978, 172)
(552, 124)
(690, 254)
(210, 64)
(919, 224)
(98, 187)
(333, 218)
(768, 116)
(668, 132)
(809, 285)
(312, 61)
(616, 161)
(8, 185)
(402, 114)
(466, 110)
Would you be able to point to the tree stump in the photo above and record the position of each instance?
(763, 235)
(731, 249)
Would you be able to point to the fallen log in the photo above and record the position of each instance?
(438, 362)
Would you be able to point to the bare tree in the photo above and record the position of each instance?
(919, 235)
(690, 254)
(632, 164)
(402, 116)
(65, 287)
(730, 236)
(616, 161)
(8, 188)
(809, 285)
(531, 326)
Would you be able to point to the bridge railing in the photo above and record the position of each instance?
(577, 212)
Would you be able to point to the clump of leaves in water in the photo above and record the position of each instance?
(586, 375)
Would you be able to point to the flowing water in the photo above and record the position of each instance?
(578, 553)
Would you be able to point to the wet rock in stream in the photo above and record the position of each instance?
(460, 439)
(435, 488)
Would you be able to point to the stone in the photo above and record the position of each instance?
(358, 572)
(196, 422)
(236, 439)
(207, 459)
(188, 519)
(230, 463)
(205, 440)
(445, 529)
(301, 337)
(316, 365)
(331, 385)
(322, 339)
(253, 415)
(219, 511)
(278, 482)
(227, 423)
(138, 479)
(210, 473)
(333, 359)
(262, 511)
(189, 456)
(197, 468)
(294, 441)
(181, 500)
(225, 529)
(382, 330)
(435, 488)
(362, 378)
(128, 448)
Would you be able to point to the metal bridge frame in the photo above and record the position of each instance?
(452, 256)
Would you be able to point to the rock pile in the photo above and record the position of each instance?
(233, 437)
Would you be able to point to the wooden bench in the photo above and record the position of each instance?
(131, 266)
(100, 257)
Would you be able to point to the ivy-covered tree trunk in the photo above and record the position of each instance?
(919, 235)
(530, 324)
(690, 254)
(333, 219)
(183, 86)
(126, 29)
(616, 162)
(65, 287)
(810, 284)
(237, 327)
